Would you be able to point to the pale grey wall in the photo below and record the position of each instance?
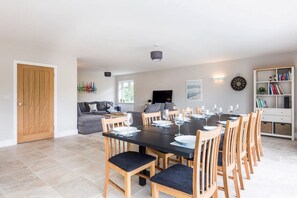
(66, 86)
(213, 93)
(105, 86)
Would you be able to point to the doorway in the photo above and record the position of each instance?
(35, 102)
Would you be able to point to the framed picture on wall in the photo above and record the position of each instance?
(194, 90)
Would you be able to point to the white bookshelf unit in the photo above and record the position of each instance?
(274, 93)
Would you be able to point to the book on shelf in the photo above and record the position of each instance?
(281, 89)
(261, 103)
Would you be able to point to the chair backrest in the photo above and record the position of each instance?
(251, 129)
(206, 162)
(190, 111)
(113, 146)
(230, 142)
(198, 110)
(173, 114)
(148, 118)
(242, 135)
(258, 124)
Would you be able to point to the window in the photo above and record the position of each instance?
(126, 91)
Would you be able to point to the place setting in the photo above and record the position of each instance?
(165, 123)
(126, 131)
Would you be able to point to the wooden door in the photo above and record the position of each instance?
(35, 103)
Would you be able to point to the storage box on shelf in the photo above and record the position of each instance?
(274, 93)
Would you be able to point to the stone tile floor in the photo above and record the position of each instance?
(74, 167)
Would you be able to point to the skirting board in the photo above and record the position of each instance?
(66, 133)
(5, 143)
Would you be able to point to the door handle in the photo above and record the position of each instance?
(20, 104)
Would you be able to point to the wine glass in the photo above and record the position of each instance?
(215, 108)
(230, 110)
(206, 116)
(220, 113)
(165, 114)
(179, 121)
(236, 109)
(188, 113)
(128, 122)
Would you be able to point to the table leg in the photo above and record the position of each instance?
(142, 181)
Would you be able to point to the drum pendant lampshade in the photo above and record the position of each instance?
(156, 55)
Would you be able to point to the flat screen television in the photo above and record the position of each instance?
(162, 96)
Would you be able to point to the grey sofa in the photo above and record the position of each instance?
(90, 122)
(137, 116)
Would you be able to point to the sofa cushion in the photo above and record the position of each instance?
(109, 104)
(82, 107)
(169, 105)
(87, 105)
(86, 119)
(78, 110)
(101, 105)
(153, 108)
(93, 107)
(162, 106)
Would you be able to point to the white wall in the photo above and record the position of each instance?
(66, 88)
(105, 86)
(213, 93)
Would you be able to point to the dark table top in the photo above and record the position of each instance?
(160, 138)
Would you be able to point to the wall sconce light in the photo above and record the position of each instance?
(218, 78)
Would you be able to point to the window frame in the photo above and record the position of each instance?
(120, 91)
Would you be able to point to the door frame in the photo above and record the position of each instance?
(15, 95)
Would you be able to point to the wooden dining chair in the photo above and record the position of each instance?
(227, 158)
(200, 181)
(241, 154)
(149, 118)
(173, 115)
(198, 110)
(251, 147)
(258, 140)
(119, 158)
(185, 111)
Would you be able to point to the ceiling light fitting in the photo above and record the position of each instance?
(156, 55)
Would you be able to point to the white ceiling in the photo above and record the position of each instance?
(118, 35)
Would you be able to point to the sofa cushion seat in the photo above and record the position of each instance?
(89, 119)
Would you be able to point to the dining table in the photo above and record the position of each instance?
(161, 138)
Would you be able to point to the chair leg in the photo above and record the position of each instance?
(152, 170)
(127, 186)
(240, 174)
(261, 148)
(226, 184)
(250, 160)
(246, 166)
(106, 180)
(215, 194)
(235, 179)
(155, 193)
(258, 150)
(165, 162)
(254, 155)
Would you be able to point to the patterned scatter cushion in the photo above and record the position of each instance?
(153, 108)
(110, 108)
(169, 105)
(93, 107)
